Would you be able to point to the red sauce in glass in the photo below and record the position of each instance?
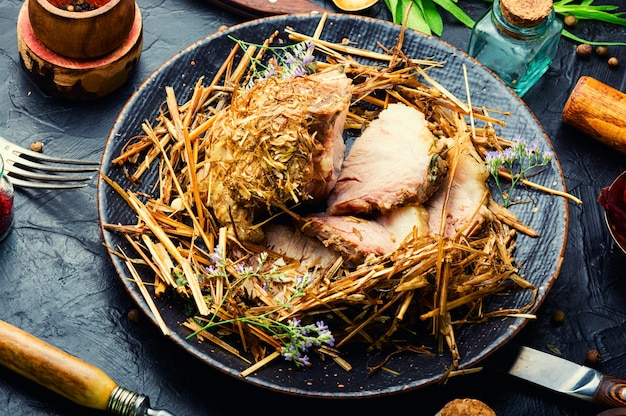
(613, 200)
(6, 211)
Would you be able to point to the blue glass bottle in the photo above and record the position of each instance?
(517, 40)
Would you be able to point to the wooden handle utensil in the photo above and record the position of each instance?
(599, 111)
(67, 375)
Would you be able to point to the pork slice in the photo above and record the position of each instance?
(466, 208)
(404, 221)
(329, 115)
(353, 238)
(396, 161)
(291, 243)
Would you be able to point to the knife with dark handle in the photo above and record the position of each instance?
(68, 376)
(560, 375)
(259, 8)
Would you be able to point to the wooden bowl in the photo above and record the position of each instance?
(81, 34)
(78, 79)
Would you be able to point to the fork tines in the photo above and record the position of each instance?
(29, 169)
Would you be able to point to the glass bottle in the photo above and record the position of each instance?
(517, 40)
(6, 202)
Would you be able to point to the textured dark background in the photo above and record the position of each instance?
(56, 280)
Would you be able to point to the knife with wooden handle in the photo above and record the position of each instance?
(259, 8)
(560, 375)
(68, 376)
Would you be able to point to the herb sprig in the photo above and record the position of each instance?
(518, 159)
(425, 16)
(294, 337)
(287, 61)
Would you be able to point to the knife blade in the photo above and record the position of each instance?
(258, 8)
(560, 375)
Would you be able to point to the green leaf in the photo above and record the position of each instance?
(575, 38)
(592, 14)
(392, 5)
(431, 16)
(458, 13)
(415, 19)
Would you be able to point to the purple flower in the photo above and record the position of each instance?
(518, 159)
(546, 157)
(218, 255)
(290, 59)
(301, 338)
(532, 147)
(302, 281)
(508, 155)
(243, 269)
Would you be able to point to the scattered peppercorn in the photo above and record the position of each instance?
(36, 147)
(593, 357)
(77, 6)
(558, 316)
(602, 50)
(133, 315)
(584, 50)
(613, 62)
(570, 20)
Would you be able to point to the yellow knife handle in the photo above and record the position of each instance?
(611, 391)
(53, 368)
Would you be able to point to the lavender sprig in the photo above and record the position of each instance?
(295, 338)
(301, 338)
(288, 61)
(519, 159)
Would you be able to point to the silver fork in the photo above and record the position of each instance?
(29, 169)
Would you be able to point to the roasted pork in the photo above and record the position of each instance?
(464, 204)
(287, 241)
(353, 238)
(396, 161)
(277, 144)
(404, 221)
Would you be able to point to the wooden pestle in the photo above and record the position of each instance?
(599, 111)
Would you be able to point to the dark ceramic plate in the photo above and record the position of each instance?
(541, 257)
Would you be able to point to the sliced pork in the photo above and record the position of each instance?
(466, 208)
(327, 125)
(404, 221)
(353, 238)
(396, 161)
(291, 243)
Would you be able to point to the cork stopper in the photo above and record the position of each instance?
(525, 13)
